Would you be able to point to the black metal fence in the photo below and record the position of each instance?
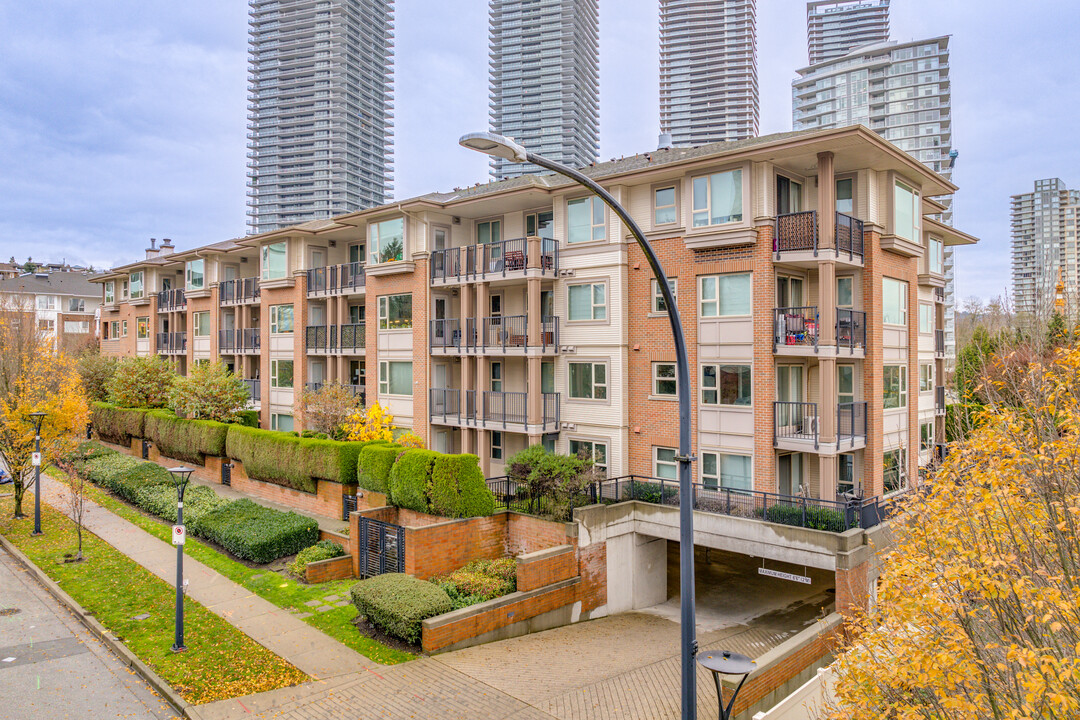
(796, 231)
(382, 547)
(939, 399)
(795, 420)
(239, 290)
(851, 421)
(849, 236)
(850, 329)
(348, 505)
(497, 258)
(939, 343)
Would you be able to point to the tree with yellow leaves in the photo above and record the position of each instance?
(34, 379)
(375, 423)
(978, 612)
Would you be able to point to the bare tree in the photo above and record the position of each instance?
(75, 502)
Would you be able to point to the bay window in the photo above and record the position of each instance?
(718, 198)
(386, 240)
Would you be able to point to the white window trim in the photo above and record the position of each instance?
(110, 292)
(718, 404)
(657, 462)
(591, 200)
(654, 393)
(384, 313)
(275, 364)
(702, 301)
(606, 384)
(592, 294)
(593, 442)
(674, 186)
(903, 399)
(142, 285)
(264, 269)
(719, 471)
(657, 297)
(903, 301)
(188, 274)
(375, 238)
(743, 175)
(384, 378)
(275, 319)
(932, 373)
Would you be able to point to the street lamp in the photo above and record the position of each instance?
(38, 418)
(503, 147)
(181, 476)
(732, 665)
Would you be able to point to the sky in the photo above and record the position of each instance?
(126, 120)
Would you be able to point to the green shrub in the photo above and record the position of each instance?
(322, 550)
(398, 604)
(332, 460)
(117, 424)
(814, 518)
(183, 439)
(458, 488)
(457, 599)
(285, 459)
(256, 533)
(248, 418)
(141, 382)
(160, 500)
(479, 581)
(86, 451)
(410, 477)
(209, 391)
(96, 370)
(126, 476)
(373, 468)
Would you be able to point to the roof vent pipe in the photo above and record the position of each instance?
(665, 141)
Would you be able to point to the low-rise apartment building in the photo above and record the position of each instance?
(807, 269)
(65, 305)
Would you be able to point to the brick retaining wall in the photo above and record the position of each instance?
(338, 568)
(326, 500)
(544, 567)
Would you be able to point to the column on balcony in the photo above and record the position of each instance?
(535, 396)
(482, 379)
(826, 199)
(468, 363)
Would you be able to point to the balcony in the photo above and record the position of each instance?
(171, 343)
(519, 257)
(349, 339)
(939, 343)
(795, 328)
(797, 426)
(851, 424)
(796, 232)
(939, 400)
(501, 334)
(850, 330)
(334, 280)
(253, 389)
(239, 342)
(795, 421)
(359, 391)
(240, 291)
(849, 237)
(171, 300)
(493, 410)
(796, 238)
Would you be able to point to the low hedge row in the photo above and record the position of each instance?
(117, 424)
(183, 439)
(398, 604)
(284, 459)
(256, 533)
(373, 468)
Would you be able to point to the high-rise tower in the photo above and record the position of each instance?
(1044, 246)
(834, 28)
(545, 80)
(320, 104)
(708, 70)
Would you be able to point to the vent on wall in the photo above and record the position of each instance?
(566, 272)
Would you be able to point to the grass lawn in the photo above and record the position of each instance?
(220, 662)
(271, 586)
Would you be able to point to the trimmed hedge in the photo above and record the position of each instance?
(373, 468)
(458, 489)
(398, 604)
(284, 459)
(126, 476)
(322, 550)
(409, 479)
(184, 439)
(256, 533)
(117, 424)
(248, 418)
(161, 501)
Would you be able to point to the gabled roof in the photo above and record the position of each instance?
(58, 283)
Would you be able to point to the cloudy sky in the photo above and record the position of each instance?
(125, 120)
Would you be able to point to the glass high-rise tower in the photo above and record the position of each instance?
(835, 27)
(1044, 247)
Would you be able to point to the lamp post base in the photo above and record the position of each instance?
(179, 649)
(36, 533)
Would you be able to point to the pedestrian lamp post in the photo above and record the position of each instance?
(181, 476)
(503, 147)
(731, 665)
(38, 418)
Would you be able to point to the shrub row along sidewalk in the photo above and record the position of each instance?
(221, 661)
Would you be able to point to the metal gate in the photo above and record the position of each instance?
(382, 547)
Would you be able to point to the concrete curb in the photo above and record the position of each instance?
(102, 633)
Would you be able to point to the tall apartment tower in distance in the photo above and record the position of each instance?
(835, 28)
(1044, 246)
(320, 103)
(902, 92)
(708, 70)
(545, 80)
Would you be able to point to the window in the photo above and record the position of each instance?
(540, 224)
(395, 312)
(587, 302)
(395, 378)
(496, 377)
(718, 198)
(47, 326)
(488, 231)
(894, 301)
(281, 373)
(76, 305)
(895, 382)
(726, 385)
(123, 328)
(725, 295)
(588, 381)
(110, 292)
(114, 329)
(201, 324)
(845, 198)
(721, 470)
(275, 261)
(548, 441)
(496, 445)
(77, 327)
(845, 293)
(926, 437)
(193, 274)
(664, 382)
(585, 219)
(788, 196)
(937, 256)
(664, 465)
(142, 328)
(590, 450)
(926, 318)
(387, 240)
(659, 305)
(281, 318)
(124, 290)
(926, 377)
(845, 481)
(895, 475)
(664, 209)
(547, 376)
(136, 285)
(845, 384)
(905, 212)
(281, 422)
(356, 253)
(46, 302)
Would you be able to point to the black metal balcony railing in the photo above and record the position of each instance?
(850, 329)
(317, 337)
(795, 326)
(796, 231)
(939, 343)
(335, 279)
(250, 340)
(336, 338)
(226, 341)
(939, 399)
(239, 290)
(849, 236)
(505, 331)
(549, 332)
(502, 331)
(505, 407)
(169, 300)
(445, 403)
(486, 259)
(551, 408)
(446, 333)
(498, 407)
(253, 389)
(352, 336)
(171, 343)
(850, 421)
(939, 294)
(795, 421)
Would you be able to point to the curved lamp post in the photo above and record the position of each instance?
(503, 147)
(38, 418)
(732, 665)
(181, 476)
